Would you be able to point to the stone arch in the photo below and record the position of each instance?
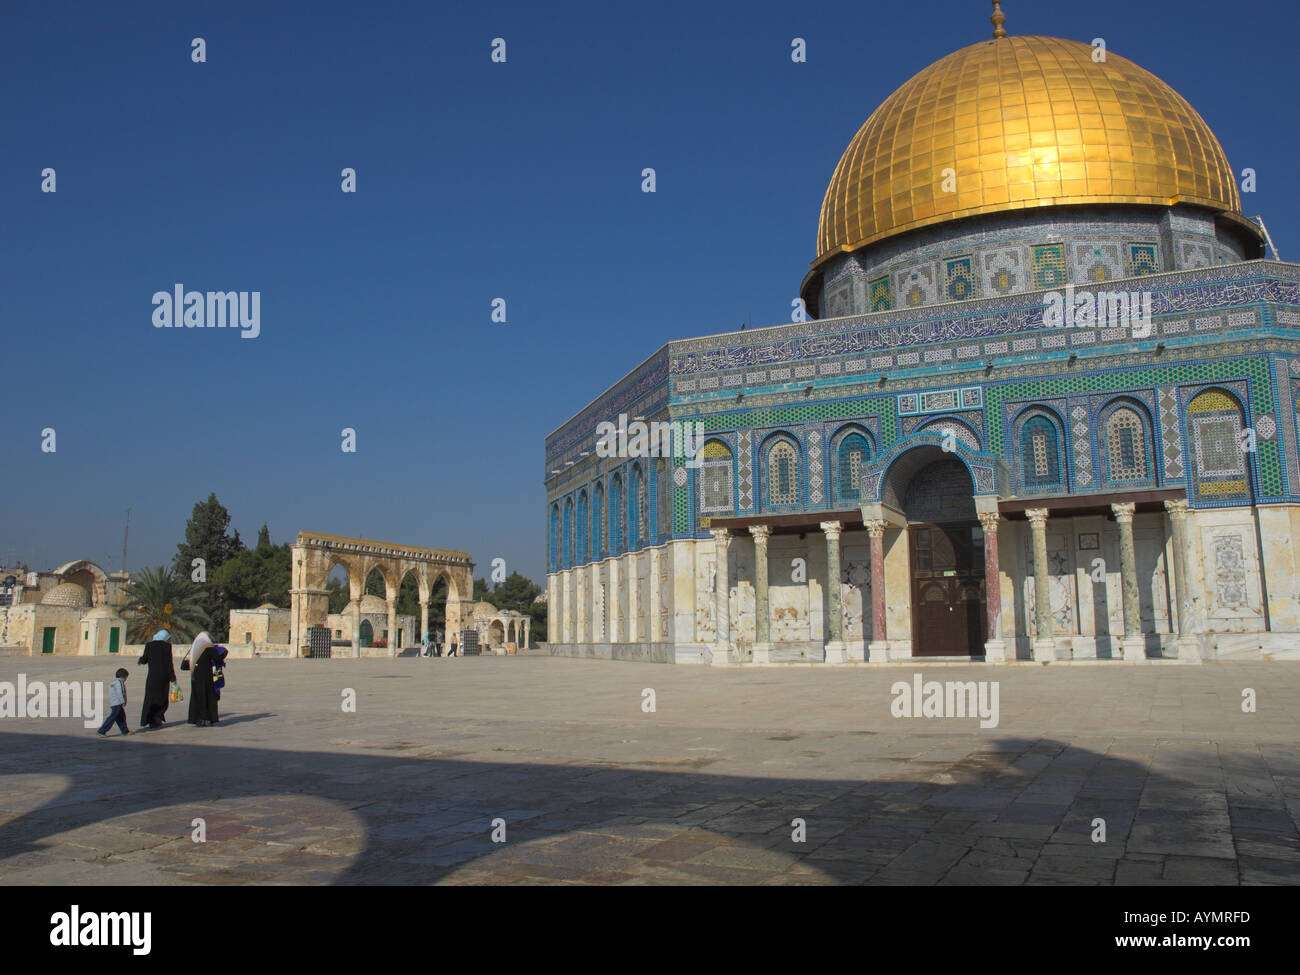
(888, 481)
(957, 426)
(89, 576)
(314, 557)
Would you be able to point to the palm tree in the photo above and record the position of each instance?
(160, 600)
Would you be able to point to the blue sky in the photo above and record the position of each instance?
(475, 181)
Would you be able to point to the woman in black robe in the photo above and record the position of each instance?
(203, 696)
(158, 684)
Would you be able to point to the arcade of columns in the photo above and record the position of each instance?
(314, 557)
(567, 625)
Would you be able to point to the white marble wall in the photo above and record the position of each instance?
(1228, 581)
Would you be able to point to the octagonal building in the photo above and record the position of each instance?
(1045, 406)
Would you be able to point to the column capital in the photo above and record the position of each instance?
(832, 528)
(1177, 508)
(1037, 516)
(875, 527)
(989, 522)
(721, 536)
(760, 533)
(1123, 511)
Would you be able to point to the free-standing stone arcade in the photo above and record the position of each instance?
(315, 555)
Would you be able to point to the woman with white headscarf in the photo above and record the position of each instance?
(157, 685)
(203, 696)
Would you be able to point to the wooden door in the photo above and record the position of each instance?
(948, 607)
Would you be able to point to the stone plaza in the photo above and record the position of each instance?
(561, 759)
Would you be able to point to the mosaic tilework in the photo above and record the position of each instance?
(1288, 415)
(959, 431)
(1171, 439)
(813, 439)
(1000, 257)
(917, 286)
(879, 295)
(1095, 262)
(1049, 265)
(959, 279)
(972, 418)
(1143, 259)
(1194, 254)
(1172, 293)
(745, 500)
(1082, 450)
(941, 400)
(1003, 271)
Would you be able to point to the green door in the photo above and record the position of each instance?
(47, 640)
(112, 640)
(367, 633)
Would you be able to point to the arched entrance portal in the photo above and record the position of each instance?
(946, 548)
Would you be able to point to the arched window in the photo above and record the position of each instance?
(851, 458)
(663, 491)
(782, 474)
(1214, 420)
(568, 533)
(582, 527)
(1040, 453)
(1126, 449)
(714, 481)
(555, 537)
(616, 514)
(636, 513)
(598, 522)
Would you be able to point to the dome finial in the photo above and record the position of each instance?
(998, 19)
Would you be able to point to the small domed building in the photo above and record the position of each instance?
(74, 609)
(1045, 406)
(500, 630)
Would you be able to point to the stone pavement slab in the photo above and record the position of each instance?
(539, 770)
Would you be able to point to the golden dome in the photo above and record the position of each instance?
(1022, 122)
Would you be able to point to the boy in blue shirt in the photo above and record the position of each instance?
(117, 703)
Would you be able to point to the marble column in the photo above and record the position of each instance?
(1134, 644)
(1044, 644)
(995, 650)
(656, 598)
(392, 626)
(835, 653)
(424, 623)
(762, 612)
(1189, 647)
(878, 649)
(721, 598)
